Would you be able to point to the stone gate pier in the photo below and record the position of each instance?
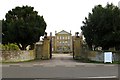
(42, 48)
(77, 46)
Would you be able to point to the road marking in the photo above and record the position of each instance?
(53, 65)
(101, 77)
(49, 65)
(26, 66)
(70, 66)
(14, 65)
(109, 65)
(90, 65)
(4, 65)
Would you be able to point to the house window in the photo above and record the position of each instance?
(63, 37)
(60, 37)
(57, 37)
(68, 37)
(66, 42)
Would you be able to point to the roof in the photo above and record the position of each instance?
(63, 32)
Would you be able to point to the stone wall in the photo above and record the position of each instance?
(96, 55)
(16, 56)
(116, 56)
(99, 56)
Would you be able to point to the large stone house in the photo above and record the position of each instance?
(62, 42)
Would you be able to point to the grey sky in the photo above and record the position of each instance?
(58, 14)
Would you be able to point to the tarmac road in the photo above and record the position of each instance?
(61, 67)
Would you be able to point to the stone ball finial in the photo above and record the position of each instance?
(77, 34)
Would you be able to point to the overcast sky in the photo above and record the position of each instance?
(58, 14)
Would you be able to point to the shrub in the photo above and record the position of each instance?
(10, 47)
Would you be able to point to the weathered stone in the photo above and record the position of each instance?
(77, 47)
(46, 49)
(42, 49)
(17, 56)
(39, 49)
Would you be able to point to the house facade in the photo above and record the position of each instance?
(62, 42)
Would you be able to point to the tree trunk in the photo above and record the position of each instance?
(23, 47)
(31, 46)
(19, 46)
